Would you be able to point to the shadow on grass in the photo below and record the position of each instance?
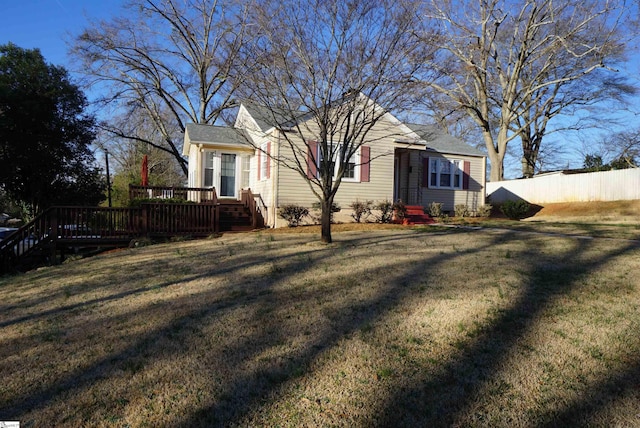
(262, 364)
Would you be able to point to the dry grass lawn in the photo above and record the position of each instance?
(385, 327)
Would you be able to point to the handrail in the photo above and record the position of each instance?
(192, 194)
(63, 226)
(248, 199)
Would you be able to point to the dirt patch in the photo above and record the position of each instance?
(598, 211)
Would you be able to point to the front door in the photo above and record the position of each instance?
(228, 175)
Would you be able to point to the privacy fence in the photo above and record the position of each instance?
(615, 185)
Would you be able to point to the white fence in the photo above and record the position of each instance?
(615, 185)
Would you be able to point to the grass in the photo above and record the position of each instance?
(389, 327)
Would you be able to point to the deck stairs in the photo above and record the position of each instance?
(234, 216)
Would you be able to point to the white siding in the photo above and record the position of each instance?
(594, 186)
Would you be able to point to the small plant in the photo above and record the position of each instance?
(399, 210)
(386, 211)
(484, 210)
(361, 210)
(435, 209)
(462, 210)
(293, 214)
(515, 210)
(335, 208)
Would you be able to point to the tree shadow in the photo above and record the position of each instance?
(267, 358)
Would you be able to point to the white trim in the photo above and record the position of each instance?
(355, 160)
(456, 167)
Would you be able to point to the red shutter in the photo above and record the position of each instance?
(425, 172)
(465, 175)
(365, 157)
(259, 164)
(312, 157)
(268, 159)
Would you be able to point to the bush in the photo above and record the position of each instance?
(293, 214)
(435, 209)
(361, 210)
(462, 210)
(400, 209)
(515, 210)
(484, 210)
(386, 211)
(335, 208)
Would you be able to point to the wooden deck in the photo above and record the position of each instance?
(65, 229)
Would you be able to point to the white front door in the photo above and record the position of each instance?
(221, 172)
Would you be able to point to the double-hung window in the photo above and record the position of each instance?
(351, 168)
(208, 168)
(445, 173)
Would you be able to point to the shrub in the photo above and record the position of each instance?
(484, 210)
(335, 208)
(361, 210)
(462, 210)
(435, 209)
(293, 214)
(400, 209)
(386, 211)
(515, 210)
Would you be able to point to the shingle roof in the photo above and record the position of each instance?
(439, 141)
(267, 118)
(212, 134)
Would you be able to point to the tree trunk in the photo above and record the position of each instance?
(325, 220)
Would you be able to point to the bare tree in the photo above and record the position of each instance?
(513, 66)
(171, 62)
(328, 72)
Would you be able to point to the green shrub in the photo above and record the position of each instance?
(386, 211)
(435, 209)
(361, 210)
(462, 210)
(515, 210)
(484, 210)
(293, 214)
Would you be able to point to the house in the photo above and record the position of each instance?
(415, 163)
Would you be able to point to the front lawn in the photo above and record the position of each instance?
(395, 327)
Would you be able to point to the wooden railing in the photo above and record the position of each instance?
(191, 194)
(62, 227)
(248, 199)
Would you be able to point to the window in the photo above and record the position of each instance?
(356, 170)
(208, 168)
(263, 160)
(445, 173)
(351, 170)
(246, 171)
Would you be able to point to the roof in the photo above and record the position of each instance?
(213, 134)
(267, 118)
(439, 141)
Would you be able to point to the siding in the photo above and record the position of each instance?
(473, 197)
(294, 189)
(594, 186)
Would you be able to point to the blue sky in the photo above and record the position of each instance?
(49, 24)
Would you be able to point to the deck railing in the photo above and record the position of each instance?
(191, 194)
(61, 227)
(248, 199)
